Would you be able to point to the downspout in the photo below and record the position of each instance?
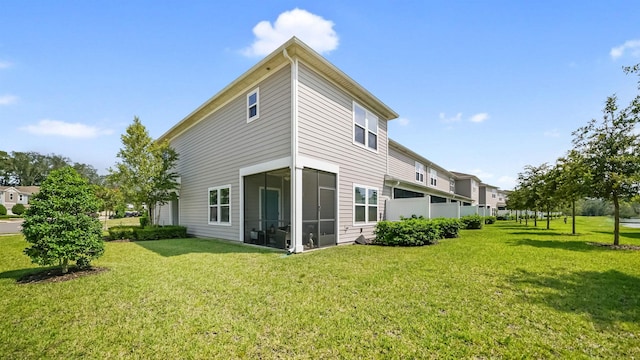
(295, 229)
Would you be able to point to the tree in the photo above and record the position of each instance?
(145, 174)
(5, 168)
(572, 181)
(60, 224)
(531, 186)
(611, 150)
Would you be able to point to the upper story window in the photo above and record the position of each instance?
(452, 185)
(253, 102)
(20, 197)
(219, 205)
(419, 172)
(365, 201)
(474, 186)
(433, 177)
(494, 193)
(10, 196)
(365, 127)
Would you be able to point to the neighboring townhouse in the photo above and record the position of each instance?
(468, 185)
(12, 195)
(488, 198)
(503, 196)
(292, 155)
(418, 186)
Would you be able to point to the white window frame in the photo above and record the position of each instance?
(452, 186)
(419, 172)
(257, 105)
(369, 119)
(494, 193)
(20, 197)
(10, 196)
(474, 186)
(218, 205)
(366, 205)
(433, 177)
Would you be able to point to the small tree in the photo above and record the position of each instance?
(60, 224)
(3, 210)
(572, 181)
(146, 172)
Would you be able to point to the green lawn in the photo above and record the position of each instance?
(505, 291)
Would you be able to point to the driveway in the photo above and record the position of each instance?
(10, 226)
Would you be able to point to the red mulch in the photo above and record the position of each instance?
(56, 275)
(615, 247)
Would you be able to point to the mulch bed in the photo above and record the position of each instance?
(616, 247)
(56, 275)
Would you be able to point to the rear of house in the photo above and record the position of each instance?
(291, 155)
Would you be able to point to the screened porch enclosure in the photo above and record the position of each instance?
(267, 209)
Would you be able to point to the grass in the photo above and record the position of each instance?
(505, 291)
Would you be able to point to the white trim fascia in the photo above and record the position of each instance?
(275, 164)
(304, 161)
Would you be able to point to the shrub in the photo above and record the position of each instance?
(449, 228)
(18, 209)
(472, 222)
(3, 210)
(407, 232)
(164, 232)
(502, 217)
(489, 219)
(123, 232)
(144, 220)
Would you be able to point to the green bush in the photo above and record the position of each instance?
(3, 210)
(489, 219)
(18, 209)
(407, 232)
(123, 232)
(502, 217)
(449, 228)
(472, 222)
(164, 232)
(144, 220)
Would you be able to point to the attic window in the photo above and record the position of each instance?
(253, 99)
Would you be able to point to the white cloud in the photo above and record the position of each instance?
(446, 120)
(314, 30)
(403, 121)
(552, 133)
(506, 182)
(8, 99)
(632, 45)
(478, 118)
(5, 64)
(61, 128)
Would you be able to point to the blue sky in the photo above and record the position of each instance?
(484, 87)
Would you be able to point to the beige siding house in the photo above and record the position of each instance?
(489, 197)
(291, 155)
(12, 195)
(468, 185)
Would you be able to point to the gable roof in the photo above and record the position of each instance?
(25, 190)
(294, 48)
(463, 176)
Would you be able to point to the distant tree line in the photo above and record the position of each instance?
(31, 168)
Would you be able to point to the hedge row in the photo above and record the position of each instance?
(415, 231)
(471, 222)
(148, 233)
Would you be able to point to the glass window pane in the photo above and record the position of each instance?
(359, 134)
(373, 141)
(373, 213)
(360, 195)
(360, 116)
(253, 111)
(224, 214)
(360, 214)
(213, 214)
(373, 197)
(253, 98)
(224, 196)
(372, 122)
(213, 197)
